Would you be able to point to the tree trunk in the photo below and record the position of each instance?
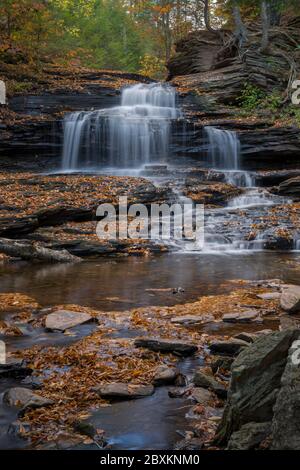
(240, 32)
(207, 20)
(31, 252)
(265, 19)
(207, 16)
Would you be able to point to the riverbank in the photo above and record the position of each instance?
(73, 378)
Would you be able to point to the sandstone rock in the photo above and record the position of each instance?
(64, 319)
(177, 392)
(123, 391)
(167, 346)
(269, 296)
(290, 299)
(241, 317)
(202, 396)
(24, 398)
(290, 187)
(255, 380)
(249, 436)
(231, 347)
(190, 319)
(285, 424)
(248, 337)
(207, 381)
(165, 375)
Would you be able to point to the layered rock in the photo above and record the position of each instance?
(255, 383)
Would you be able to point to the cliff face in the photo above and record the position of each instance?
(211, 74)
(205, 65)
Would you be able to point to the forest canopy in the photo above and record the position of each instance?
(132, 35)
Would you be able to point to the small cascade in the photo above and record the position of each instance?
(126, 136)
(252, 198)
(224, 155)
(224, 148)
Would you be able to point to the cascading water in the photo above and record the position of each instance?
(224, 154)
(127, 136)
(224, 148)
(223, 231)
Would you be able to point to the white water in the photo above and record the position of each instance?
(138, 132)
(224, 148)
(126, 136)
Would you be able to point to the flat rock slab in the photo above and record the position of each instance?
(192, 319)
(269, 296)
(231, 347)
(24, 398)
(165, 375)
(209, 382)
(202, 396)
(124, 391)
(242, 317)
(166, 346)
(290, 299)
(63, 320)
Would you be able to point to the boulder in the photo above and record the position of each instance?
(290, 299)
(249, 436)
(255, 381)
(166, 346)
(207, 381)
(165, 375)
(285, 424)
(230, 347)
(63, 320)
(123, 391)
(24, 398)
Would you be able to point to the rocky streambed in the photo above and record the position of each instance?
(81, 376)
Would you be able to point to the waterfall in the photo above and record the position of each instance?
(224, 148)
(224, 154)
(126, 136)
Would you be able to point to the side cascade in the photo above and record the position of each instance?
(126, 136)
(224, 150)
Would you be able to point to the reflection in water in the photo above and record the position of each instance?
(119, 284)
